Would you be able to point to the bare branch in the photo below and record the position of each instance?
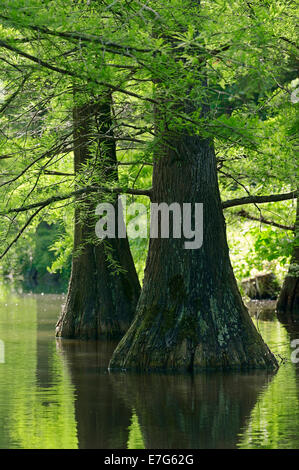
(12, 97)
(57, 173)
(259, 199)
(262, 220)
(79, 192)
(28, 222)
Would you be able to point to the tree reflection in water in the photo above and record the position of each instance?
(120, 410)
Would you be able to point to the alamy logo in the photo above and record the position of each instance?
(295, 353)
(166, 221)
(295, 96)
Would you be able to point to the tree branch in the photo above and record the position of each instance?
(62, 71)
(57, 173)
(78, 192)
(28, 222)
(259, 199)
(80, 36)
(288, 41)
(12, 97)
(262, 219)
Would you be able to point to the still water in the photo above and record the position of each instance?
(58, 393)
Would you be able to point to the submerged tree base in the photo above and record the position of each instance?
(194, 332)
(100, 302)
(190, 345)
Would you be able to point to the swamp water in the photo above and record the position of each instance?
(58, 393)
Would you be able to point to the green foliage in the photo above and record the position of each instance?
(256, 248)
(36, 257)
(235, 60)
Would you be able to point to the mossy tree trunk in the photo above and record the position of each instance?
(100, 301)
(190, 314)
(288, 301)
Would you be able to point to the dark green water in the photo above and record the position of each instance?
(58, 394)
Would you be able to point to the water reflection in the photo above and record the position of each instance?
(58, 394)
(274, 421)
(103, 420)
(203, 411)
(36, 401)
(156, 411)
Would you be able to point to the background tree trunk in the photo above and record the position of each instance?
(288, 301)
(99, 299)
(190, 313)
(262, 286)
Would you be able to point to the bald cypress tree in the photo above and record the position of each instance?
(190, 313)
(102, 296)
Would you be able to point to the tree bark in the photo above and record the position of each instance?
(288, 301)
(190, 314)
(100, 301)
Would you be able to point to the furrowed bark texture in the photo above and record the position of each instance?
(99, 301)
(190, 314)
(288, 301)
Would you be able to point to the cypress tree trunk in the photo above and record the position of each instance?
(190, 314)
(99, 300)
(288, 301)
